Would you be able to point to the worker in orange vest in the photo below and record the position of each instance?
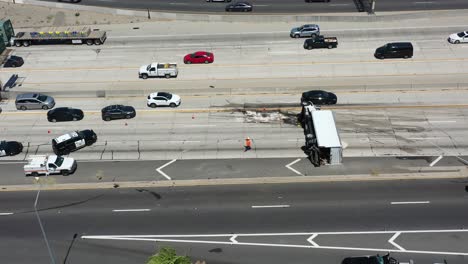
(248, 144)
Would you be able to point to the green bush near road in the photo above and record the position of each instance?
(168, 255)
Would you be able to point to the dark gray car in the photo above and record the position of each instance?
(28, 101)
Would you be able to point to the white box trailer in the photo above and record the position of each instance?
(328, 139)
(49, 164)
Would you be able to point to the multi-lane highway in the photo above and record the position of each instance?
(252, 89)
(394, 117)
(280, 6)
(128, 222)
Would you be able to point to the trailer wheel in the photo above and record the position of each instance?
(97, 42)
(167, 76)
(18, 43)
(65, 172)
(89, 42)
(26, 43)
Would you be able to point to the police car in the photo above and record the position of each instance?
(73, 141)
(10, 148)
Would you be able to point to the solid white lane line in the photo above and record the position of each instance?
(391, 241)
(412, 202)
(442, 121)
(425, 2)
(163, 166)
(292, 163)
(6, 213)
(131, 210)
(272, 206)
(155, 239)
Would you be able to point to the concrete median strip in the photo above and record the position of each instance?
(461, 173)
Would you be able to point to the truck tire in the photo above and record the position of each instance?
(65, 172)
(89, 42)
(18, 43)
(167, 76)
(34, 174)
(144, 76)
(97, 42)
(26, 43)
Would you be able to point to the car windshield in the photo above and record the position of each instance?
(59, 161)
(148, 68)
(42, 98)
(461, 34)
(300, 28)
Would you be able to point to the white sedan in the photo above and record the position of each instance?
(457, 38)
(163, 99)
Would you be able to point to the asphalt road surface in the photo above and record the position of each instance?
(281, 6)
(291, 213)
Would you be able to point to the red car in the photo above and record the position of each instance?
(199, 57)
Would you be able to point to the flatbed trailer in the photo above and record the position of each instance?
(59, 35)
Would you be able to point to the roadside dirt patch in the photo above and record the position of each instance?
(28, 16)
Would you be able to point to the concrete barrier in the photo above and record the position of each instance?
(257, 18)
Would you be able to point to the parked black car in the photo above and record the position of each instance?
(73, 141)
(395, 50)
(318, 97)
(117, 112)
(239, 7)
(10, 148)
(61, 114)
(13, 62)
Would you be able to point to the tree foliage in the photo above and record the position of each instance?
(168, 255)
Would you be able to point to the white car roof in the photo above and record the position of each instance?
(65, 137)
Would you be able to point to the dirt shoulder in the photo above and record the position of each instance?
(27, 16)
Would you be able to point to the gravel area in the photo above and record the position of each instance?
(29, 16)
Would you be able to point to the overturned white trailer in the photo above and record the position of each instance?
(323, 144)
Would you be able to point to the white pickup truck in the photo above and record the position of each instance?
(49, 164)
(156, 69)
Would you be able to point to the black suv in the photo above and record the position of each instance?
(13, 62)
(10, 148)
(64, 114)
(318, 97)
(117, 112)
(73, 141)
